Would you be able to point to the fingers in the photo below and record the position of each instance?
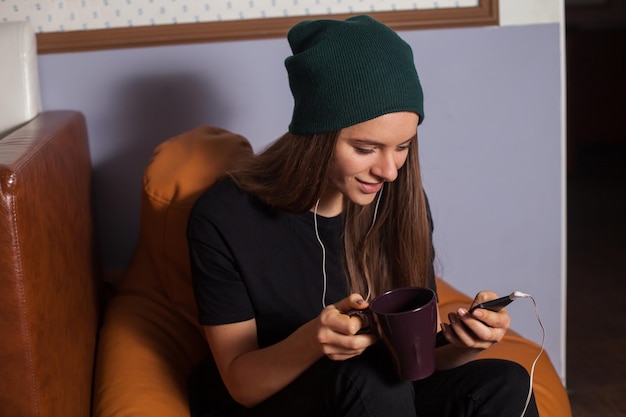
(484, 296)
(352, 302)
(490, 317)
(480, 329)
(346, 347)
(461, 334)
(348, 324)
(494, 319)
(337, 332)
(339, 345)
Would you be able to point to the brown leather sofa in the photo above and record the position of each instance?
(150, 339)
(49, 291)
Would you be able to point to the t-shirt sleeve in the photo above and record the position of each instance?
(220, 293)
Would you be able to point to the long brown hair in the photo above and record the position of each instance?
(395, 251)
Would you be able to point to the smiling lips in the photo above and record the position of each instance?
(370, 188)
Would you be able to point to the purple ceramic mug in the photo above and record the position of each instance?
(407, 321)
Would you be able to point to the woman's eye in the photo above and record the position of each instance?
(404, 148)
(364, 151)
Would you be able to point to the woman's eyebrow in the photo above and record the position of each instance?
(377, 143)
(411, 139)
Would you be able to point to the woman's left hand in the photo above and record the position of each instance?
(480, 329)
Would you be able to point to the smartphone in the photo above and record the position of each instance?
(495, 305)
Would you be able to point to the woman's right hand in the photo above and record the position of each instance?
(337, 332)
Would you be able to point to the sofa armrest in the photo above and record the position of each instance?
(49, 296)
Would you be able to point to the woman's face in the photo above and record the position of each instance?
(369, 154)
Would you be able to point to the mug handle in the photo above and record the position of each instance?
(366, 317)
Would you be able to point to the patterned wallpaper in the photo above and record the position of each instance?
(68, 15)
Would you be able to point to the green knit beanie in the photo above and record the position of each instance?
(346, 72)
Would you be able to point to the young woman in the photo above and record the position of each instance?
(327, 217)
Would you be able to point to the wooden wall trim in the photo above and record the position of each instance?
(485, 14)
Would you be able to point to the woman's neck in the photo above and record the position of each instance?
(330, 204)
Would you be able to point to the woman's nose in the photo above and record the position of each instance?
(386, 168)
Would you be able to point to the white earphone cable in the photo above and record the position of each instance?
(380, 194)
(319, 240)
(543, 340)
(317, 234)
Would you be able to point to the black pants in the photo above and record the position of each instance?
(367, 386)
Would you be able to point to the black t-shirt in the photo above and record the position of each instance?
(251, 261)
